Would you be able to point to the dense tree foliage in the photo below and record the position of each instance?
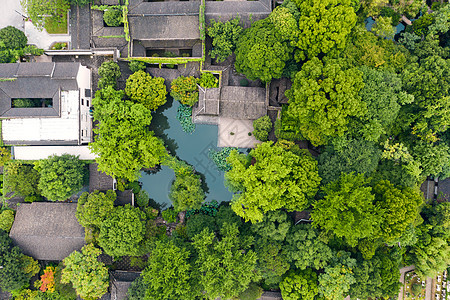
(271, 177)
(142, 88)
(323, 98)
(272, 262)
(123, 142)
(322, 25)
(186, 192)
(122, 233)
(113, 17)
(348, 209)
(109, 72)
(88, 276)
(60, 176)
(262, 127)
(12, 38)
(185, 90)
(226, 266)
(300, 285)
(21, 179)
(261, 53)
(12, 276)
(304, 248)
(94, 208)
(169, 274)
(274, 226)
(6, 220)
(224, 37)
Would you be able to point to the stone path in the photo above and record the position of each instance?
(402, 279)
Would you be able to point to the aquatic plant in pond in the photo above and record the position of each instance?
(184, 116)
(220, 158)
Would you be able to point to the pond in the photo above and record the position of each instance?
(369, 22)
(192, 148)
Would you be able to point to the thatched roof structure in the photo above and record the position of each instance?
(47, 231)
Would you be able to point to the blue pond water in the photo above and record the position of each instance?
(192, 148)
(370, 22)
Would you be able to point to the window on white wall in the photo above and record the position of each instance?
(82, 101)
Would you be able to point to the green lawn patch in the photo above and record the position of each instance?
(56, 25)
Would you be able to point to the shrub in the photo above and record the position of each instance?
(151, 213)
(6, 220)
(421, 25)
(109, 71)
(47, 282)
(33, 198)
(113, 17)
(135, 66)
(142, 198)
(22, 103)
(262, 128)
(208, 80)
(170, 215)
(220, 158)
(5, 155)
(60, 176)
(134, 186)
(184, 116)
(142, 88)
(12, 38)
(30, 266)
(20, 178)
(185, 90)
(224, 38)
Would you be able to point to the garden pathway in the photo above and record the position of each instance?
(234, 133)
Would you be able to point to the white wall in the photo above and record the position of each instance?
(84, 83)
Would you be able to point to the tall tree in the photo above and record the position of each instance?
(227, 266)
(305, 249)
(122, 233)
(224, 37)
(12, 276)
(186, 192)
(12, 38)
(322, 99)
(323, 24)
(61, 176)
(169, 274)
(20, 178)
(88, 276)
(270, 178)
(94, 208)
(261, 53)
(300, 285)
(274, 226)
(272, 262)
(347, 209)
(142, 88)
(123, 143)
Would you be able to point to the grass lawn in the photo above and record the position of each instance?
(56, 25)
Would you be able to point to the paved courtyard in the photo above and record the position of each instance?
(13, 14)
(234, 133)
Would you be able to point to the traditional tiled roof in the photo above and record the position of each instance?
(47, 231)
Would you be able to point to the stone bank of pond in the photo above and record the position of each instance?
(192, 148)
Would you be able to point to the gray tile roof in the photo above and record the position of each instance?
(162, 27)
(165, 8)
(99, 181)
(208, 101)
(35, 80)
(47, 231)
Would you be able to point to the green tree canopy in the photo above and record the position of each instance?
(39, 10)
(227, 266)
(323, 24)
(186, 192)
(122, 232)
(270, 178)
(335, 282)
(12, 38)
(261, 53)
(272, 262)
(377, 277)
(88, 276)
(169, 274)
(109, 71)
(124, 144)
(224, 37)
(12, 276)
(304, 248)
(300, 285)
(262, 127)
(185, 90)
(142, 88)
(347, 209)
(322, 99)
(400, 207)
(94, 208)
(20, 178)
(274, 226)
(60, 176)
(346, 155)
